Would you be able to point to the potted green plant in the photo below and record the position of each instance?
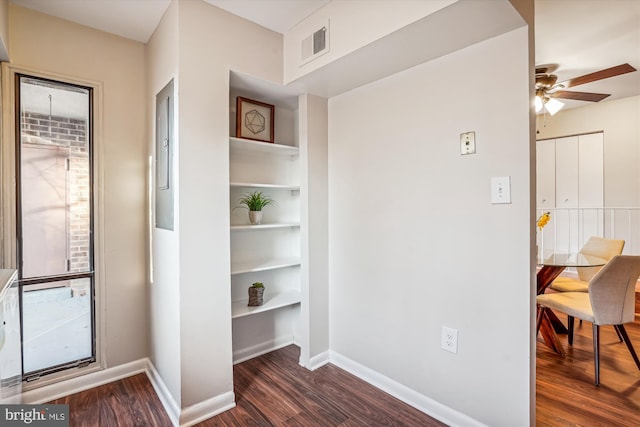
(255, 202)
(256, 294)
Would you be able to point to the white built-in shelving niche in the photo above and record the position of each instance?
(269, 252)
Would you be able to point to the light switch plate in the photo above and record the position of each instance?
(501, 189)
(468, 143)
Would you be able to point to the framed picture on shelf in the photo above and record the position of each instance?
(254, 120)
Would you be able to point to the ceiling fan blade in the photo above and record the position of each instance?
(598, 75)
(579, 96)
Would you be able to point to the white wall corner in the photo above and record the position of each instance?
(318, 361)
(193, 414)
(206, 409)
(167, 400)
(435, 409)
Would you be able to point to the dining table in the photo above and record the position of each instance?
(550, 266)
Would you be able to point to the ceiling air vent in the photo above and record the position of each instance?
(315, 44)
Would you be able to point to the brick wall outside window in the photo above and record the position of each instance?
(41, 129)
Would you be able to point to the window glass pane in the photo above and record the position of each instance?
(56, 323)
(54, 225)
(55, 178)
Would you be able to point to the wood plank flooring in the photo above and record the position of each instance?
(273, 390)
(565, 392)
(131, 402)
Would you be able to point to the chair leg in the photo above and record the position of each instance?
(596, 352)
(570, 321)
(622, 331)
(618, 332)
(580, 320)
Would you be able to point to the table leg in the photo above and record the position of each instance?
(546, 275)
(548, 334)
(557, 324)
(549, 323)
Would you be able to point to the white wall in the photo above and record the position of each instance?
(414, 242)
(49, 44)
(314, 226)
(389, 142)
(164, 289)
(352, 26)
(620, 121)
(209, 42)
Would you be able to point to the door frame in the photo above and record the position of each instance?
(8, 220)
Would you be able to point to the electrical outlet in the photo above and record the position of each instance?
(449, 339)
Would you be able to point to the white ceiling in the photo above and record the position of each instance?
(580, 36)
(137, 19)
(133, 19)
(583, 36)
(277, 15)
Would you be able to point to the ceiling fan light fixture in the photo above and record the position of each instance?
(538, 103)
(553, 106)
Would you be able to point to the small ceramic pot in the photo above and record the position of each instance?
(255, 217)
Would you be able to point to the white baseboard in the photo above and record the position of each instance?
(60, 389)
(318, 361)
(245, 354)
(435, 409)
(179, 417)
(206, 409)
(167, 400)
(192, 414)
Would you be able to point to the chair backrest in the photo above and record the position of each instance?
(601, 248)
(612, 290)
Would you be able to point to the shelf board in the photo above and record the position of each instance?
(271, 302)
(273, 264)
(247, 145)
(265, 186)
(246, 227)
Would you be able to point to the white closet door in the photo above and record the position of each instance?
(567, 193)
(591, 170)
(546, 174)
(567, 172)
(591, 184)
(546, 191)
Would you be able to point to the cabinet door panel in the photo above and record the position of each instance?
(546, 173)
(567, 174)
(591, 170)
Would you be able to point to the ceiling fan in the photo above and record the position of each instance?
(547, 87)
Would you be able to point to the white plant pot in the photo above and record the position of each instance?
(255, 217)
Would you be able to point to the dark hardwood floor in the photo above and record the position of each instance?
(273, 390)
(131, 402)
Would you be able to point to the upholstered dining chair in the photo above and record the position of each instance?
(595, 246)
(610, 300)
